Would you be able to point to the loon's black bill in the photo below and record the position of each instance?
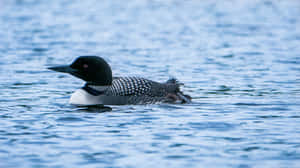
(69, 70)
(64, 68)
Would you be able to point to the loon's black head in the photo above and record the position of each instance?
(92, 69)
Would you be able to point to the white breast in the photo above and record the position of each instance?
(81, 97)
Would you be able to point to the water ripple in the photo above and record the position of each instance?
(217, 126)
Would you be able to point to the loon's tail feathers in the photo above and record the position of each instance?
(178, 95)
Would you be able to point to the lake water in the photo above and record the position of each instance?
(239, 60)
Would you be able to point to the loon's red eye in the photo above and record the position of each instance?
(85, 65)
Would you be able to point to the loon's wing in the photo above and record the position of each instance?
(130, 86)
(143, 90)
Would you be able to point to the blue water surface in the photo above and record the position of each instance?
(239, 60)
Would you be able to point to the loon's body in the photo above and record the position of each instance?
(102, 88)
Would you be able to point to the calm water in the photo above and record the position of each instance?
(239, 60)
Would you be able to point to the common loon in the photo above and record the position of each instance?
(102, 88)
